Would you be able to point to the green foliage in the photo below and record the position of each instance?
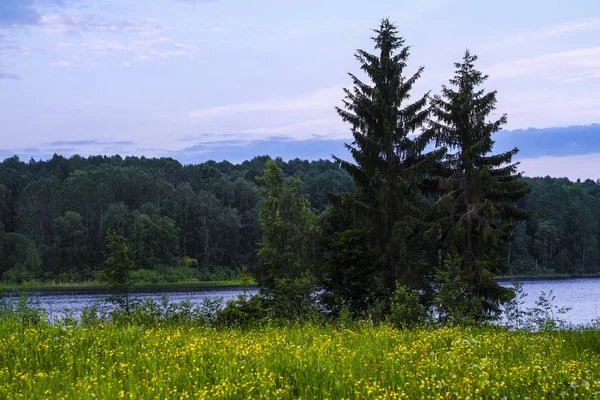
(349, 265)
(25, 312)
(212, 205)
(189, 262)
(477, 210)
(118, 268)
(406, 310)
(26, 270)
(287, 250)
(385, 210)
(71, 249)
(293, 298)
(454, 302)
(243, 312)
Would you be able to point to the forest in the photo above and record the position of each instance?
(55, 215)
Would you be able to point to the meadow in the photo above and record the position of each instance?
(305, 361)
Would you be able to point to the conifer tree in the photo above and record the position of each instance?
(388, 167)
(479, 189)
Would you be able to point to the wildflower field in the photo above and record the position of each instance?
(111, 361)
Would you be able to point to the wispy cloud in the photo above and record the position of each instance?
(141, 49)
(9, 45)
(88, 142)
(75, 24)
(581, 64)
(331, 127)
(318, 101)
(60, 64)
(553, 31)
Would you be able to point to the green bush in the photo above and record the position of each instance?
(406, 311)
(293, 298)
(243, 312)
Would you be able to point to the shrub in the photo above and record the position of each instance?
(405, 308)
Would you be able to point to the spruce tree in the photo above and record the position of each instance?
(479, 189)
(388, 167)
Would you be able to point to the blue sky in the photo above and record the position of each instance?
(230, 79)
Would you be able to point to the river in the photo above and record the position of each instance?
(581, 295)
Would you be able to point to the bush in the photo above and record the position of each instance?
(26, 311)
(146, 276)
(17, 275)
(293, 298)
(454, 303)
(243, 312)
(406, 310)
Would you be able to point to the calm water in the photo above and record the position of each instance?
(582, 295)
(58, 303)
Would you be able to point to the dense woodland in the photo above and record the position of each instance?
(61, 210)
(396, 225)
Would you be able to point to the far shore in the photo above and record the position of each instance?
(140, 287)
(191, 285)
(543, 277)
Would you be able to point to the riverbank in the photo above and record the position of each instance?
(192, 284)
(139, 287)
(543, 277)
(299, 361)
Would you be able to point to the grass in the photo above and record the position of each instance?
(95, 285)
(309, 361)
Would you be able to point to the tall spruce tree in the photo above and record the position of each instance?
(479, 189)
(389, 165)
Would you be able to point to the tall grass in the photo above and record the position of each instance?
(122, 360)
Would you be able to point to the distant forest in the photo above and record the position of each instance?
(199, 221)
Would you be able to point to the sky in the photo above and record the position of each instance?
(232, 79)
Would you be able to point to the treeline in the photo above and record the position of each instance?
(55, 215)
(562, 236)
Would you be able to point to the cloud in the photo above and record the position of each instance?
(580, 63)
(236, 151)
(331, 127)
(72, 24)
(563, 141)
(142, 49)
(73, 142)
(88, 142)
(553, 31)
(60, 64)
(318, 101)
